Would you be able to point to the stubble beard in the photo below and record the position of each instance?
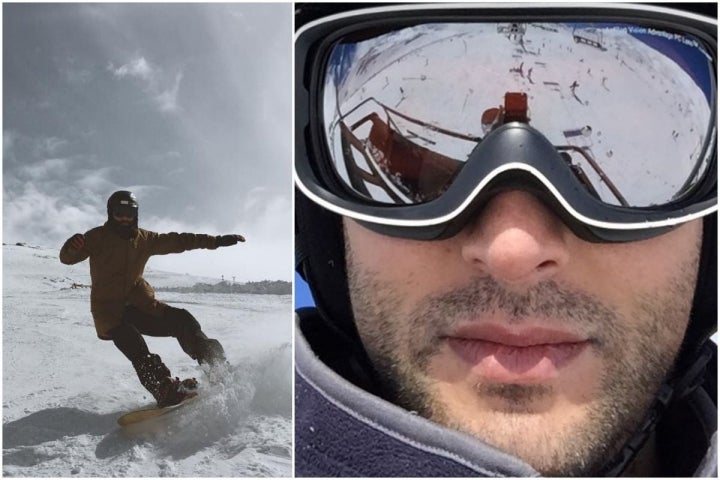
(636, 355)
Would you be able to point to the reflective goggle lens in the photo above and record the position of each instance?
(628, 108)
(125, 211)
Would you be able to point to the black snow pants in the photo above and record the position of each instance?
(176, 322)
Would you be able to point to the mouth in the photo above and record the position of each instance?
(527, 355)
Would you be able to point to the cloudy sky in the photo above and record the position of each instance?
(187, 105)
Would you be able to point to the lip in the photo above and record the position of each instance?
(524, 355)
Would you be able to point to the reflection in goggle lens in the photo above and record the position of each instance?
(628, 108)
(125, 211)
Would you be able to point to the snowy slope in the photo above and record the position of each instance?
(63, 389)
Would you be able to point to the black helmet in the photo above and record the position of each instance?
(121, 197)
(125, 202)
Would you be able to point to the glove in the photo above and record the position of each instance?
(77, 241)
(228, 240)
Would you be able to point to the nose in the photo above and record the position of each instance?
(517, 240)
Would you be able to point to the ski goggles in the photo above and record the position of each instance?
(125, 211)
(409, 119)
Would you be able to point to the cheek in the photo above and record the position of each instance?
(370, 249)
(636, 274)
(412, 268)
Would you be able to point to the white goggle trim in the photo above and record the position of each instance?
(670, 222)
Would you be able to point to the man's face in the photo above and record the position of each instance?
(518, 332)
(124, 215)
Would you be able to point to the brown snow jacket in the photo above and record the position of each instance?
(116, 269)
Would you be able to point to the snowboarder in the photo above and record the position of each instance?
(123, 303)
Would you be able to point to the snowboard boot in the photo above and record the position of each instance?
(172, 391)
(155, 377)
(189, 385)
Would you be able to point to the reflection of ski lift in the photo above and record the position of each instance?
(566, 152)
(589, 36)
(394, 161)
(515, 109)
(580, 174)
(491, 118)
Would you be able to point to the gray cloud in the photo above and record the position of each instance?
(163, 91)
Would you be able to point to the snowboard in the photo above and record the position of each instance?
(137, 416)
